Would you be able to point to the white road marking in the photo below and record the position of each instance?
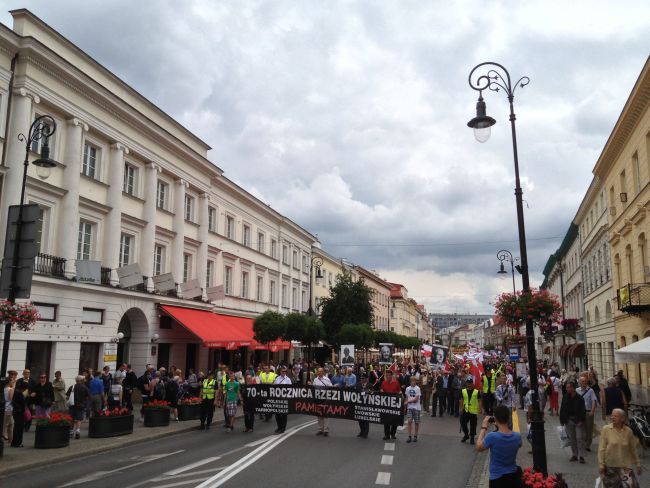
(220, 478)
(180, 483)
(260, 441)
(190, 466)
(100, 474)
(382, 478)
(385, 459)
(389, 446)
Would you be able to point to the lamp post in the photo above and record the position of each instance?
(495, 77)
(42, 128)
(505, 255)
(316, 262)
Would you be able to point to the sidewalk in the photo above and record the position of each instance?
(28, 457)
(575, 474)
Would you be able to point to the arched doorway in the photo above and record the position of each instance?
(133, 347)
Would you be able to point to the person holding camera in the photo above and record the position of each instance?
(503, 445)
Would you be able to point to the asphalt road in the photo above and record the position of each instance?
(297, 458)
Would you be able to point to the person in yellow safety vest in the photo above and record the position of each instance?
(267, 378)
(489, 387)
(469, 409)
(208, 390)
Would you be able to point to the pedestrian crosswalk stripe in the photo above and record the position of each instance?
(382, 478)
(389, 446)
(386, 459)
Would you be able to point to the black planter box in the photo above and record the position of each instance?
(156, 417)
(51, 436)
(189, 412)
(101, 426)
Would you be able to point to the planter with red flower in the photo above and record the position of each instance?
(53, 431)
(22, 316)
(570, 325)
(535, 479)
(111, 423)
(189, 408)
(156, 413)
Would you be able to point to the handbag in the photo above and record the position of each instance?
(27, 416)
(70, 400)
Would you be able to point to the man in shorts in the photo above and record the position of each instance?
(232, 395)
(413, 408)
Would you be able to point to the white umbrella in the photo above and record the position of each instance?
(639, 352)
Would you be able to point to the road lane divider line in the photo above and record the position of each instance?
(389, 446)
(180, 483)
(382, 478)
(386, 459)
(190, 466)
(261, 441)
(220, 478)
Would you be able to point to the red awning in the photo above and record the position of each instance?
(576, 350)
(563, 350)
(220, 331)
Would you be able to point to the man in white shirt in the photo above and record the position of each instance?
(322, 381)
(413, 407)
(281, 418)
(591, 401)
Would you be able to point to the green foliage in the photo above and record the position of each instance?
(349, 303)
(361, 335)
(296, 325)
(401, 341)
(269, 327)
(314, 331)
(489, 347)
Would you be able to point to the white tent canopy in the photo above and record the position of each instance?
(639, 352)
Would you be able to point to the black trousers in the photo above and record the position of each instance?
(512, 480)
(390, 430)
(442, 400)
(281, 421)
(523, 390)
(452, 404)
(127, 400)
(488, 403)
(469, 418)
(249, 419)
(19, 428)
(207, 411)
(364, 427)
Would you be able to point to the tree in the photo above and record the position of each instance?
(296, 325)
(313, 333)
(349, 303)
(269, 326)
(361, 335)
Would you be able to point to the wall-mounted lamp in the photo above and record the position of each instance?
(118, 337)
(155, 337)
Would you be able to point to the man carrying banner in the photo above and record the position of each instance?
(281, 418)
(266, 378)
(390, 385)
(322, 381)
(365, 388)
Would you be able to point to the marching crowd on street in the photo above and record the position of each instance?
(572, 395)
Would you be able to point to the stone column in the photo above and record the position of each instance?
(113, 227)
(219, 274)
(149, 216)
(68, 230)
(179, 229)
(19, 123)
(202, 256)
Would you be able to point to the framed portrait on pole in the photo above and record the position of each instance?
(386, 350)
(347, 355)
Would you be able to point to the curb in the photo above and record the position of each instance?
(479, 476)
(34, 462)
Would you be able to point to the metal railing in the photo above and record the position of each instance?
(46, 264)
(634, 298)
(105, 276)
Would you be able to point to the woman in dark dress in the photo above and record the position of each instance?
(19, 405)
(612, 397)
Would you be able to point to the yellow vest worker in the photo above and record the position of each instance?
(208, 388)
(470, 408)
(267, 378)
(489, 384)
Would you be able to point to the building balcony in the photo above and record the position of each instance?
(634, 298)
(48, 265)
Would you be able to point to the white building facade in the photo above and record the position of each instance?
(132, 186)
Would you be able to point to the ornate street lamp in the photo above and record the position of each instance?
(495, 77)
(316, 263)
(505, 255)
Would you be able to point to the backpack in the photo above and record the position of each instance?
(171, 390)
(142, 380)
(159, 391)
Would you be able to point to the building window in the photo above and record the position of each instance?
(230, 227)
(89, 163)
(92, 316)
(304, 301)
(227, 280)
(272, 292)
(162, 190)
(285, 254)
(305, 268)
(158, 260)
(636, 173)
(294, 298)
(244, 284)
(246, 236)
(187, 267)
(209, 273)
(260, 288)
(212, 219)
(126, 242)
(274, 249)
(84, 241)
(189, 208)
(285, 298)
(47, 311)
(260, 241)
(295, 259)
(130, 174)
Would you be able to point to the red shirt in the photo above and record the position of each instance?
(392, 387)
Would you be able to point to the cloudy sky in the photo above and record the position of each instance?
(350, 117)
